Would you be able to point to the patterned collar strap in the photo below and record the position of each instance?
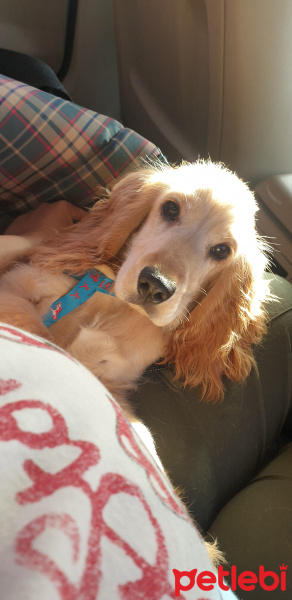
(93, 281)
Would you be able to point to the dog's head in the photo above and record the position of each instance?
(195, 266)
(199, 229)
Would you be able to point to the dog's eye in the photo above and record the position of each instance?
(220, 251)
(170, 210)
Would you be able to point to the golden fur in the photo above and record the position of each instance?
(207, 327)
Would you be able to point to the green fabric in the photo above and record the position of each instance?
(255, 528)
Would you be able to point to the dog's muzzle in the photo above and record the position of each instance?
(153, 287)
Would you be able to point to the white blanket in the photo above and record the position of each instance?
(85, 512)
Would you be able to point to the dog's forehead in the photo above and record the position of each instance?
(203, 204)
(230, 208)
(189, 177)
(206, 182)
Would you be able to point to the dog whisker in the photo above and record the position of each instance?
(203, 291)
(184, 314)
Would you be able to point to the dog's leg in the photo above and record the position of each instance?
(21, 313)
(98, 351)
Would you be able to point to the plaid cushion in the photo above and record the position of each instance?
(51, 148)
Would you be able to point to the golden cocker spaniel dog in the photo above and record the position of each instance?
(181, 246)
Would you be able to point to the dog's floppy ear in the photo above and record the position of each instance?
(103, 231)
(218, 338)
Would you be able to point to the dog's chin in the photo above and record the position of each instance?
(155, 312)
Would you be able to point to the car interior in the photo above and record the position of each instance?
(198, 79)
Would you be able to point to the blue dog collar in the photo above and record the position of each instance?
(91, 282)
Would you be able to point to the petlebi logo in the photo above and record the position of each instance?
(246, 580)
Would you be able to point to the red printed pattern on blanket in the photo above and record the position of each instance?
(8, 385)
(153, 582)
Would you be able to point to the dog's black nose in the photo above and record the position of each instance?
(154, 287)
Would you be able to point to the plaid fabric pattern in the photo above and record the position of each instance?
(51, 149)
